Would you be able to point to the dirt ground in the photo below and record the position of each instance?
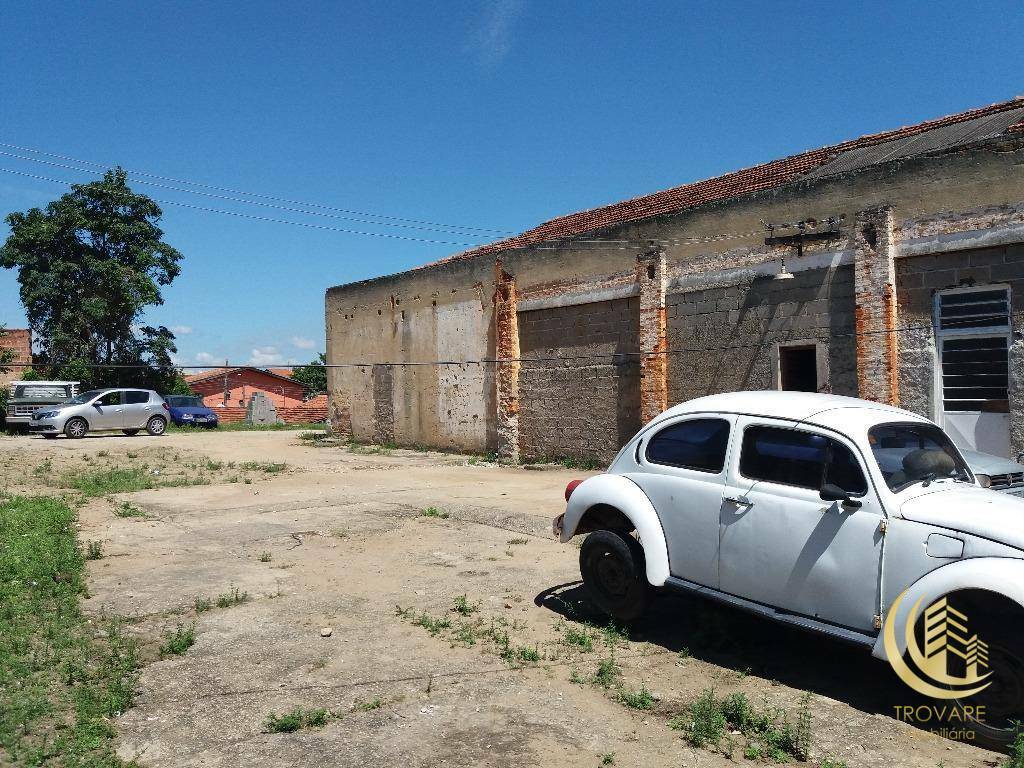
(339, 540)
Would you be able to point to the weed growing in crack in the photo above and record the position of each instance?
(368, 706)
(641, 699)
(434, 512)
(297, 719)
(94, 550)
(265, 557)
(202, 604)
(178, 641)
(233, 596)
(463, 607)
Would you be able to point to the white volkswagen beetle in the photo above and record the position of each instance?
(825, 512)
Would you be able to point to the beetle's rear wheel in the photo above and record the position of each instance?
(1000, 706)
(614, 574)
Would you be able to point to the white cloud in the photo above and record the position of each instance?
(303, 343)
(265, 356)
(205, 358)
(491, 39)
(181, 330)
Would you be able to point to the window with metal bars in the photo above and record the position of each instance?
(973, 328)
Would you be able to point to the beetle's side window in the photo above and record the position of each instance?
(801, 459)
(698, 444)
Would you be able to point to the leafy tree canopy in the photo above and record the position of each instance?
(88, 266)
(313, 376)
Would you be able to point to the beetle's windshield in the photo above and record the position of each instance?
(915, 453)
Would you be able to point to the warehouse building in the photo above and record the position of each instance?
(889, 267)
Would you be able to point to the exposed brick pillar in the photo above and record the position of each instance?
(506, 335)
(650, 276)
(383, 404)
(876, 313)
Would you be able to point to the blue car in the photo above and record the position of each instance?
(190, 411)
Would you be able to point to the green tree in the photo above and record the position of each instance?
(89, 265)
(313, 376)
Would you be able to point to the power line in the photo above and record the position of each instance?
(227, 198)
(259, 195)
(254, 217)
(254, 195)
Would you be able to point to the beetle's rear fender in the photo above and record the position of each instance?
(1001, 575)
(624, 495)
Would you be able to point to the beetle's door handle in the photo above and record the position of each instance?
(739, 501)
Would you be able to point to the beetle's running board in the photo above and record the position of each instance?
(803, 622)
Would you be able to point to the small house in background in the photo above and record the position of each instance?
(19, 340)
(229, 390)
(234, 387)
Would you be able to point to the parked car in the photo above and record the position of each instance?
(127, 410)
(186, 410)
(823, 512)
(26, 397)
(995, 472)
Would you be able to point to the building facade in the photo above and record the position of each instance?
(890, 267)
(234, 387)
(19, 340)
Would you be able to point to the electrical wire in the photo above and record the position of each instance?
(229, 190)
(254, 217)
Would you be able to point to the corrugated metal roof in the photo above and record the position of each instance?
(935, 140)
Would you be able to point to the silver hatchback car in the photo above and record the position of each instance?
(98, 410)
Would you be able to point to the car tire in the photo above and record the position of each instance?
(1003, 700)
(614, 574)
(76, 428)
(156, 426)
(130, 432)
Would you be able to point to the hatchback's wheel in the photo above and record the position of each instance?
(614, 573)
(130, 432)
(76, 428)
(156, 426)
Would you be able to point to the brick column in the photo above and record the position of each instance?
(650, 276)
(506, 346)
(876, 310)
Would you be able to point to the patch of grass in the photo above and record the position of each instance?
(517, 542)
(614, 634)
(828, 762)
(234, 596)
(270, 467)
(433, 624)
(607, 673)
(369, 706)
(202, 604)
(265, 557)
(107, 481)
(297, 719)
(127, 509)
(770, 734)
(178, 641)
(94, 550)
(370, 448)
(683, 655)
(62, 684)
(434, 512)
(463, 607)
(576, 637)
(608, 758)
(1016, 758)
(641, 699)
(45, 468)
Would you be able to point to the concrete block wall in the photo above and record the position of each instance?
(723, 339)
(585, 407)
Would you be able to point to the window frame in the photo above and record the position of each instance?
(980, 332)
(831, 438)
(646, 444)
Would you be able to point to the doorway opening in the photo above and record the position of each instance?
(798, 368)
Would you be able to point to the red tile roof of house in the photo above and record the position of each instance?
(278, 373)
(748, 180)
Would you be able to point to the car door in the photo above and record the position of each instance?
(684, 466)
(108, 411)
(781, 544)
(137, 408)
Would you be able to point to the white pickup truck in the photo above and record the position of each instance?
(841, 516)
(26, 397)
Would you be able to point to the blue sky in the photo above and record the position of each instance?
(495, 114)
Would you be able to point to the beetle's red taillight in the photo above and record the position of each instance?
(570, 488)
